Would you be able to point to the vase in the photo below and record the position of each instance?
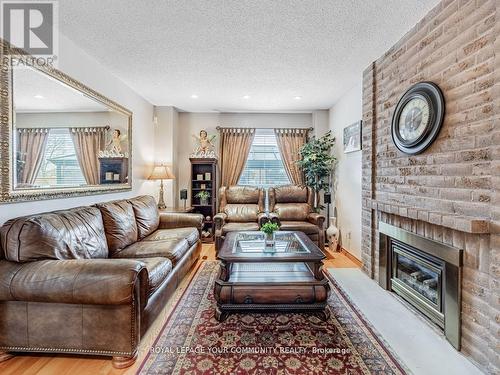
(269, 241)
(204, 201)
(332, 233)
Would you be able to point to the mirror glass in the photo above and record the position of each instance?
(64, 138)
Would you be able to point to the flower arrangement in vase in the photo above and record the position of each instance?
(269, 228)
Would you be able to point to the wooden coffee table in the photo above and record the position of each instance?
(256, 278)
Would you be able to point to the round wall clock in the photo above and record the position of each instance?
(418, 118)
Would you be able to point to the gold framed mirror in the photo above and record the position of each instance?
(59, 138)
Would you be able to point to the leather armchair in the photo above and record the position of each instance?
(241, 208)
(292, 208)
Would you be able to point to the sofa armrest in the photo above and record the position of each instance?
(316, 219)
(274, 218)
(78, 281)
(220, 220)
(262, 218)
(170, 220)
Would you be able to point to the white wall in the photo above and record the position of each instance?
(76, 63)
(166, 147)
(192, 123)
(348, 196)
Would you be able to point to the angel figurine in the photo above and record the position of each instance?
(205, 146)
(114, 145)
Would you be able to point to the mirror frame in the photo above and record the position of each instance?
(7, 192)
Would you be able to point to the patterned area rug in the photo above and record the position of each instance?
(194, 342)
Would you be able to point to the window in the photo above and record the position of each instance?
(264, 167)
(60, 166)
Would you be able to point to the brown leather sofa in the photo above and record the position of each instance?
(241, 208)
(292, 207)
(91, 280)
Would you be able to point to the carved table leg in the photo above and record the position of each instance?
(323, 315)
(220, 315)
(124, 362)
(5, 356)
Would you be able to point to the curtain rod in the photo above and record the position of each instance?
(65, 127)
(308, 129)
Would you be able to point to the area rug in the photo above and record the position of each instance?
(192, 341)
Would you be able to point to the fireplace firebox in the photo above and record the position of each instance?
(425, 273)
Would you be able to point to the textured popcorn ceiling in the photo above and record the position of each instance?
(221, 51)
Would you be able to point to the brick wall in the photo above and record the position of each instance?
(449, 192)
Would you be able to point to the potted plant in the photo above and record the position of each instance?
(269, 228)
(316, 161)
(203, 195)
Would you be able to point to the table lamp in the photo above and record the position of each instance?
(161, 172)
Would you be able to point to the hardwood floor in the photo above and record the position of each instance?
(26, 364)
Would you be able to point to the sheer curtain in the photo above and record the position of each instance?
(289, 142)
(88, 142)
(235, 145)
(31, 145)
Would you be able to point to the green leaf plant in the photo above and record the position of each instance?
(317, 161)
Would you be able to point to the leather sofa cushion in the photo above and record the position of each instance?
(299, 226)
(172, 249)
(158, 270)
(292, 211)
(190, 234)
(77, 233)
(119, 224)
(241, 213)
(146, 214)
(235, 227)
(291, 194)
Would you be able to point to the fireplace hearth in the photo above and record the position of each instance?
(426, 274)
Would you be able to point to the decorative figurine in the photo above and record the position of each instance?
(114, 146)
(205, 147)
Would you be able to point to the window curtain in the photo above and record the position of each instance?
(31, 145)
(289, 142)
(234, 148)
(88, 142)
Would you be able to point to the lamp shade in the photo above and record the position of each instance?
(161, 172)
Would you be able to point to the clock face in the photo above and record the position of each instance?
(417, 118)
(414, 119)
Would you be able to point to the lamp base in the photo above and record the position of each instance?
(161, 200)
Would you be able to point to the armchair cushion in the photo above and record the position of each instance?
(77, 233)
(146, 214)
(119, 224)
(78, 281)
(234, 227)
(240, 213)
(300, 226)
(292, 211)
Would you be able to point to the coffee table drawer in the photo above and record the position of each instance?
(282, 294)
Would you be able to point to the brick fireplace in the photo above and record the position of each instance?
(447, 194)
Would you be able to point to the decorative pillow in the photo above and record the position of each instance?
(119, 224)
(146, 214)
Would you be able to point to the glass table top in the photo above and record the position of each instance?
(255, 243)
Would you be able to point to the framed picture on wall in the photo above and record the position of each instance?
(352, 137)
